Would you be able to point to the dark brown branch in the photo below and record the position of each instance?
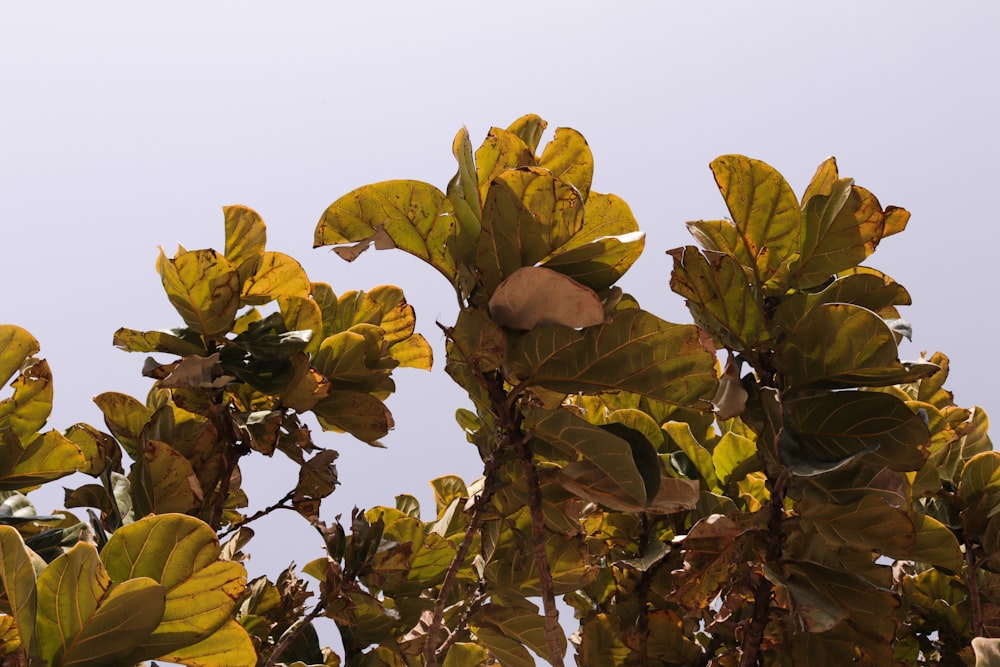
(972, 583)
(294, 631)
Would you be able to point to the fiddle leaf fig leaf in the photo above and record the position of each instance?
(125, 418)
(936, 544)
(598, 264)
(870, 524)
(534, 296)
(508, 652)
(838, 345)
(173, 483)
(463, 193)
(246, 236)
(181, 554)
(229, 645)
(47, 457)
(569, 159)
(203, 287)
(635, 352)
(362, 415)
(277, 275)
(869, 289)
(28, 409)
(529, 128)
(416, 216)
(131, 340)
(16, 346)
(501, 150)
(17, 574)
(522, 624)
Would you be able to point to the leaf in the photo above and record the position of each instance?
(380, 239)
(936, 544)
(28, 409)
(126, 616)
(277, 275)
(681, 436)
(598, 264)
(522, 624)
(719, 296)
(764, 234)
(197, 372)
(417, 217)
(568, 157)
(318, 475)
(500, 151)
(508, 652)
(833, 426)
(229, 646)
(870, 524)
(173, 483)
(125, 418)
(534, 296)
(526, 215)
(635, 352)
(18, 577)
(362, 415)
(181, 553)
(464, 654)
(529, 128)
(48, 457)
(203, 287)
(869, 289)
(838, 346)
(16, 345)
(246, 236)
(131, 340)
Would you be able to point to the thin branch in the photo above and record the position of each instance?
(280, 505)
(292, 632)
(463, 618)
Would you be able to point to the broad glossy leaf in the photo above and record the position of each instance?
(362, 415)
(18, 577)
(463, 193)
(229, 646)
(936, 544)
(682, 438)
(635, 352)
(823, 180)
(764, 234)
(131, 340)
(277, 275)
(869, 289)
(181, 553)
(840, 424)
(602, 642)
(522, 624)
(464, 654)
(568, 157)
(526, 215)
(730, 453)
(500, 151)
(815, 611)
(398, 317)
(28, 409)
(981, 475)
(417, 217)
(508, 652)
(535, 296)
(303, 314)
(125, 418)
(203, 287)
(719, 295)
(839, 231)
(354, 307)
(246, 237)
(838, 345)
(16, 345)
(529, 128)
(870, 524)
(598, 264)
(174, 485)
(49, 456)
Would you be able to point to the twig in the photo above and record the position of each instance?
(280, 505)
(292, 632)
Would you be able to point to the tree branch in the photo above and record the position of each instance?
(280, 505)
(972, 583)
(289, 635)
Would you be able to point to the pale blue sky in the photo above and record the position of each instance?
(124, 127)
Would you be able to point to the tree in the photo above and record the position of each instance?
(767, 486)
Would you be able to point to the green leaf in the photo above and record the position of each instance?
(936, 544)
(598, 264)
(18, 577)
(764, 234)
(303, 314)
(681, 435)
(833, 426)
(463, 193)
(869, 289)
(417, 217)
(125, 418)
(16, 345)
(526, 215)
(28, 409)
(731, 452)
(181, 553)
(635, 352)
(529, 128)
(229, 646)
(870, 524)
(362, 415)
(246, 236)
(838, 345)
(277, 275)
(508, 652)
(203, 287)
(463, 654)
(719, 296)
(568, 157)
(48, 457)
(522, 624)
(131, 340)
(500, 151)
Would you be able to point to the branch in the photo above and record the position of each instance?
(280, 505)
(972, 583)
(292, 632)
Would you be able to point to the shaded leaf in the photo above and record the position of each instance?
(534, 296)
(599, 263)
(362, 415)
(18, 577)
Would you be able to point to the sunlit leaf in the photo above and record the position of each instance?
(16, 345)
(125, 418)
(277, 275)
(568, 157)
(229, 646)
(599, 263)
(508, 652)
(362, 415)
(49, 456)
(203, 287)
(500, 151)
(174, 485)
(131, 340)
(303, 314)
(18, 577)
(869, 289)
(181, 553)
(28, 409)
(529, 128)
(246, 236)
(417, 217)
(522, 624)
(635, 352)
(463, 654)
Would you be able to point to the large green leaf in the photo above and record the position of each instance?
(203, 287)
(870, 524)
(28, 409)
(867, 288)
(719, 295)
(246, 237)
(181, 553)
(838, 345)
(636, 352)
(522, 624)
(463, 193)
(229, 646)
(764, 233)
(417, 217)
(936, 544)
(837, 425)
(125, 418)
(500, 151)
(83, 619)
(569, 159)
(601, 262)
(16, 345)
(362, 415)
(464, 654)
(526, 215)
(47, 457)
(18, 577)
(507, 651)
(277, 275)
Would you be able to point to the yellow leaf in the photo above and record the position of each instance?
(277, 275)
(246, 236)
(16, 345)
(204, 288)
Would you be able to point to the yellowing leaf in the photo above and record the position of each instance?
(131, 340)
(246, 236)
(125, 418)
(229, 646)
(47, 457)
(529, 128)
(27, 410)
(500, 151)
(173, 483)
(16, 345)
(568, 157)
(18, 577)
(277, 275)
(362, 415)
(181, 553)
(534, 296)
(203, 287)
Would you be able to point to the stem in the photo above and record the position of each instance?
(972, 583)
(280, 505)
(541, 557)
(292, 632)
(754, 634)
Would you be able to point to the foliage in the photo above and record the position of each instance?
(770, 485)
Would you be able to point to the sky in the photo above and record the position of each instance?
(128, 126)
